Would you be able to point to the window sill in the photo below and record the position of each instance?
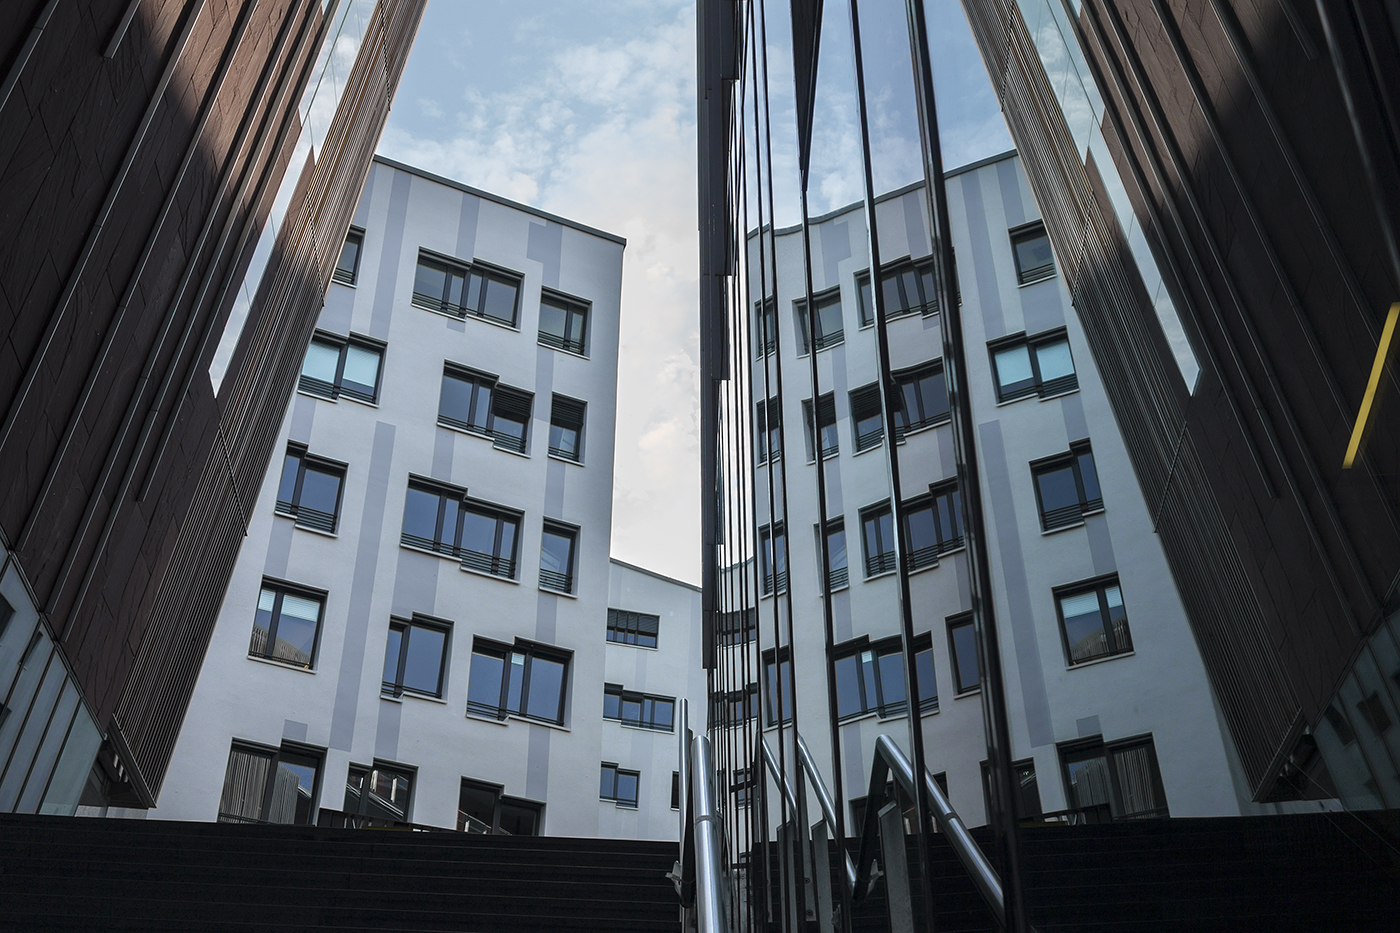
(323, 398)
(491, 719)
(881, 576)
(623, 644)
(437, 554)
(545, 589)
(335, 281)
(633, 726)
(357, 401)
(1046, 398)
(1046, 532)
(512, 717)
(974, 692)
(925, 567)
(466, 317)
(301, 527)
(870, 449)
(1091, 662)
(577, 463)
(478, 573)
(581, 356)
(281, 664)
(389, 697)
(925, 428)
(839, 589)
(618, 803)
(483, 437)
(1037, 280)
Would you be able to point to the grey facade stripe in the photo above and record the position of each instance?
(1089, 725)
(546, 611)
(841, 624)
(295, 731)
(546, 246)
(1041, 308)
(537, 775)
(303, 416)
(1072, 409)
(835, 502)
(915, 230)
(851, 758)
(1100, 544)
(982, 268)
(386, 284)
(964, 589)
(416, 583)
(386, 732)
(947, 456)
(361, 218)
(338, 311)
(1020, 617)
(466, 226)
(444, 445)
(357, 617)
(835, 246)
(459, 326)
(279, 544)
(1009, 179)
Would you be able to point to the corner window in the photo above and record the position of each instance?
(476, 402)
(734, 707)
(563, 323)
(907, 287)
(877, 535)
(777, 682)
(830, 330)
(460, 290)
(264, 785)
(557, 558)
(287, 624)
(867, 421)
(347, 269)
(1121, 777)
(619, 785)
(482, 808)
(415, 658)
(310, 489)
(566, 418)
(962, 648)
(489, 539)
(765, 329)
(524, 679)
(737, 626)
(825, 425)
(1039, 365)
(379, 794)
(1067, 487)
(1093, 621)
(1034, 259)
(869, 678)
(923, 399)
(336, 366)
(432, 516)
(768, 430)
(837, 574)
(642, 710)
(633, 628)
(923, 667)
(772, 555)
(934, 525)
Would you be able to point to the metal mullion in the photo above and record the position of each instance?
(275, 622)
(340, 369)
(296, 487)
(403, 657)
(270, 783)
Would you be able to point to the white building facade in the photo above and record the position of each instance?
(424, 625)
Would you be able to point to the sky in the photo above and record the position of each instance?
(587, 110)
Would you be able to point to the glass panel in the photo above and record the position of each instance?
(627, 787)
(556, 552)
(420, 515)
(388, 795)
(889, 290)
(286, 489)
(553, 319)
(322, 360)
(423, 666)
(520, 819)
(320, 490)
(1090, 477)
(947, 519)
(476, 803)
(934, 391)
(921, 530)
(74, 764)
(500, 300)
(867, 308)
(1033, 256)
(1136, 779)
(612, 705)
(1057, 489)
(546, 689)
(631, 709)
(447, 536)
(245, 780)
(1014, 368)
(847, 686)
(349, 256)
(479, 532)
(456, 400)
(965, 656)
(262, 623)
(484, 684)
(892, 680)
(296, 629)
(836, 548)
(430, 281)
(455, 283)
(928, 681)
(49, 727)
(516, 687)
(391, 654)
(1084, 626)
(293, 788)
(361, 369)
(663, 714)
(909, 279)
(508, 530)
(869, 679)
(1028, 792)
(577, 319)
(481, 406)
(1089, 783)
(474, 285)
(1054, 360)
(563, 440)
(829, 317)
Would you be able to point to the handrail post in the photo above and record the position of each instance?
(709, 892)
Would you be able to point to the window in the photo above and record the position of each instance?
(837, 574)
(557, 558)
(633, 628)
(1122, 775)
(482, 808)
(618, 785)
(379, 794)
(1033, 365)
(830, 331)
(566, 428)
(934, 525)
(440, 518)
(1093, 621)
(869, 678)
(489, 537)
(1034, 260)
(432, 516)
(459, 290)
(310, 489)
(772, 554)
(962, 648)
(1067, 487)
(923, 667)
(265, 785)
(877, 534)
(777, 677)
(675, 790)
(765, 327)
(415, 658)
(336, 366)
(737, 626)
(1027, 790)
(867, 421)
(923, 399)
(826, 416)
(768, 430)
(347, 270)
(907, 288)
(476, 402)
(734, 707)
(639, 709)
(525, 679)
(563, 323)
(287, 624)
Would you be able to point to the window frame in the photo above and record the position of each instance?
(826, 409)
(529, 650)
(340, 276)
(398, 688)
(1035, 385)
(564, 406)
(569, 579)
(445, 492)
(368, 773)
(1074, 459)
(495, 563)
(621, 802)
(282, 588)
(859, 648)
(572, 307)
(633, 627)
(883, 561)
(923, 644)
(1109, 750)
(765, 328)
(777, 660)
(293, 509)
(957, 623)
(733, 708)
(1024, 234)
(838, 578)
(768, 429)
(500, 396)
(274, 755)
(943, 543)
(1100, 587)
(486, 271)
(773, 580)
(500, 800)
(332, 391)
(914, 377)
(644, 701)
(822, 300)
(736, 626)
(861, 400)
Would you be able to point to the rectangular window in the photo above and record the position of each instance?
(287, 624)
(642, 710)
(737, 626)
(867, 421)
(461, 290)
(826, 419)
(633, 628)
(1034, 259)
(336, 366)
(432, 516)
(415, 658)
(869, 678)
(264, 785)
(380, 795)
(1026, 788)
(777, 679)
(557, 558)
(734, 707)
(566, 417)
(489, 539)
(347, 269)
(772, 555)
(765, 327)
(907, 287)
(1067, 487)
(619, 785)
(837, 574)
(563, 322)
(933, 524)
(830, 330)
(1123, 776)
(877, 535)
(476, 402)
(1093, 621)
(923, 398)
(675, 790)
(923, 667)
(310, 489)
(962, 648)
(524, 679)
(1039, 365)
(483, 809)
(768, 430)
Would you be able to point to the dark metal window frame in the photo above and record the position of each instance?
(1099, 586)
(920, 303)
(915, 376)
(945, 540)
(765, 337)
(572, 414)
(1035, 385)
(645, 702)
(283, 588)
(826, 418)
(1087, 746)
(736, 626)
(501, 801)
(334, 390)
(734, 707)
(772, 541)
(572, 308)
(495, 564)
(1023, 234)
(1067, 516)
(768, 429)
(552, 580)
(956, 624)
(528, 650)
(838, 578)
(275, 753)
(466, 270)
(865, 404)
(878, 650)
(441, 542)
(823, 299)
(928, 702)
(505, 402)
(308, 517)
(406, 627)
(882, 560)
(624, 802)
(778, 662)
(367, 772)
(341, 275)
(626, 627)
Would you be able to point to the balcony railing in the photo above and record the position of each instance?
(838, 578)
(488, 563)
(879, 563)
(559, 582)
(560, 343)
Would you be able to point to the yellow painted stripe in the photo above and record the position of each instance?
(1366, 401)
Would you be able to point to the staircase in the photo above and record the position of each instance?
(97, 875)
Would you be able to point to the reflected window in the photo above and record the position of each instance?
(830, 329)
(765, 327)
(524, 679)
(563, 323)
(287, 624)
(768, 430)
(923, 667)
(734, 707)
(336, 366)
(347, 269)
(310, 489)
(962, 649)
(483, 808)
(1122, 777)
(263, 785)
(877, 536)
(1039, 365)
(633, 628)
(1067, 487)
(379, 794)
(772, 554)
(737, 626)
(1093, 621)
(619, 785)
(415, 658)
(869, 678)
(922, 400)
(1034, 259)
(460, 290)
(777, 685)
(826, 424)
(933, 524)
(867, 421)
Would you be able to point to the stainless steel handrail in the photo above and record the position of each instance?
(823, 796)
(709, 894)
